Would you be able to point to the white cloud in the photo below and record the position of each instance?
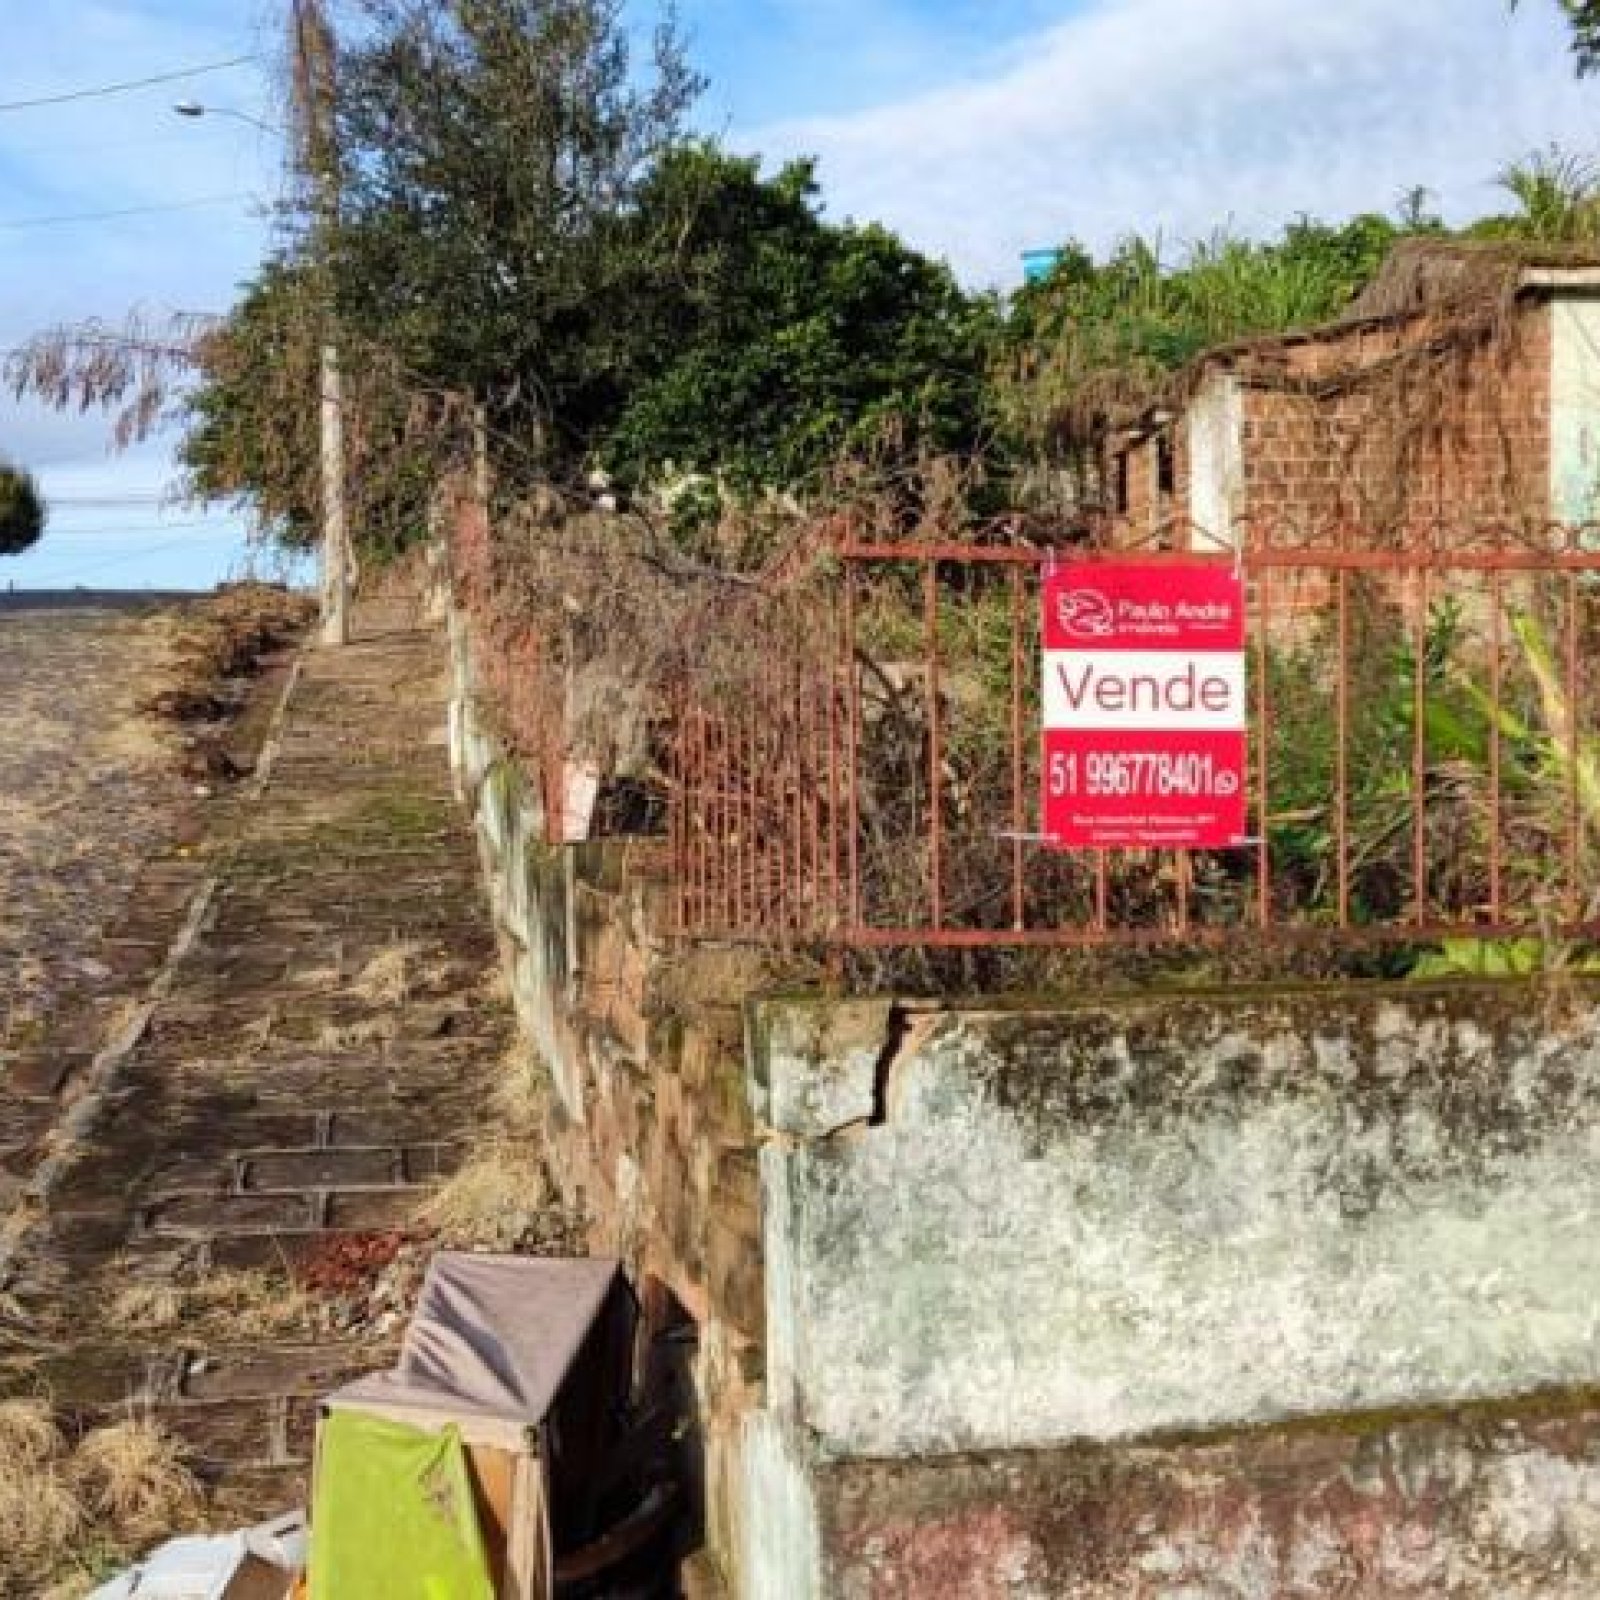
(1176, 115)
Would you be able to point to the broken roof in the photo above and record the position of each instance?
(1457, 288)
(1425, 274)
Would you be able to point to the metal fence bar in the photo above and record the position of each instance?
(1574, 715)
(930, 594)
(1019, 823)
(1342, 753)
(795, 809)
(1496, 736)
(852, 753)
(1263, 749)
(1419, 749)
(834, 831)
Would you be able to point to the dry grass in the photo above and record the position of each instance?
(522, 1090)
(74, 1587)
(401, 973)
(28, 1432)
(147, 1308)
(253, 1304)
(335, 1036)
(135, 1477)
(232, 1304)
(388, 978)
(64, 1512)
(41, 1518)
(501, 1200)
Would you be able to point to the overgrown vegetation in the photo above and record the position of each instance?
(1100, 337)
(503, 212)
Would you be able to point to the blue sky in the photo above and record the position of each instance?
(975, 127)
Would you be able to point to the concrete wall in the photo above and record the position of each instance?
(1575, 408)
(1487, 1505)
(1215, 439)
(1053, 1236)
(1102, 1222)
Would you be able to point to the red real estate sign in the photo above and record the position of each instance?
(1144, 706)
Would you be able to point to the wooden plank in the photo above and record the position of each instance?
(494, 1475)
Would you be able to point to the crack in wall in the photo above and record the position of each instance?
(897, 1028)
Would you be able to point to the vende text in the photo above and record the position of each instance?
(1156, 688)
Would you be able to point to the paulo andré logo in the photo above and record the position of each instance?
(1085, 613)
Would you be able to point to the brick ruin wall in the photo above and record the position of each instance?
(1463, 439)
(1468, 441)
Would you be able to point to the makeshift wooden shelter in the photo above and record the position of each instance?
(484, 1453)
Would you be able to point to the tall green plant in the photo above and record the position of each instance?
(1099, 334)
(1558, 199)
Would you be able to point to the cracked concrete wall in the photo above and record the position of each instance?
(1287, 1294)
(1104, 1221)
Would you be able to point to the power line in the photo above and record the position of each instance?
(123, 88)
(125, 211)
(36, 578)
(114, 531)
(109, 502)
(95, 146)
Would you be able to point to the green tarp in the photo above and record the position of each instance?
(393, 1516)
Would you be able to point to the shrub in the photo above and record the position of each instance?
(21, 511)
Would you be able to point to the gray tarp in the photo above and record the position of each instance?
(491, 1342)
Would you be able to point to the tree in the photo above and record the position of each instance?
(22, 512)
(1583, 16)
(490, 151)
(251, 421)
(1558, 199)
(251, 426)
(1097, 337)
(767, 341)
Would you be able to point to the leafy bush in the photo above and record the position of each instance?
(22, 513)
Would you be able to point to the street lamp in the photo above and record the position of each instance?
(193, 108)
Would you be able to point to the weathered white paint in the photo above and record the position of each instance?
(780, 1549)
(1575, 408)
(822, 1065)
(532, 908)
(1040, 1248)
(1216, 460)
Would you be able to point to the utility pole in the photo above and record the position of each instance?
(313, 104)
(335, 533)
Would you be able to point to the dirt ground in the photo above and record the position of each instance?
(89, 786)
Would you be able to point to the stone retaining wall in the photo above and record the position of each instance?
(651, 1134)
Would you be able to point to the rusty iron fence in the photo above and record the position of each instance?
(521, 684)
(1424, 714)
